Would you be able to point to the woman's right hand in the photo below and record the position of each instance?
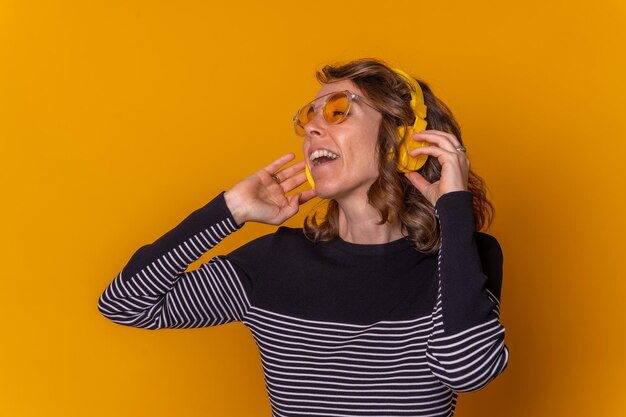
(260, 198)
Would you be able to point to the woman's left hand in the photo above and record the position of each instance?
(454, 164)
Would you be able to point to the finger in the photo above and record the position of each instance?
(306, 196)
(293, 182)
(292, 207)
(292, 204)
(455, 166)
(431, 150)
(447, 135)
(290, 171)
(275, 166)
(436, 138)
(418, 181)
(442, 155)
(451, 159)
(442, 139)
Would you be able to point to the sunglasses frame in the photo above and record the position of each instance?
(349, 94)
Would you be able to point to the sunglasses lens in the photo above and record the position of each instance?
(305, 115)
(335, 111)
(336, 108)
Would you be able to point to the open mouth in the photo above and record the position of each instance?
(321, 157)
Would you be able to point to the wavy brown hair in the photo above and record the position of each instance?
(395, 198)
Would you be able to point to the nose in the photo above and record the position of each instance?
(314, 131)
(316, 126)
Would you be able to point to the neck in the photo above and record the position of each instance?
(358, 223)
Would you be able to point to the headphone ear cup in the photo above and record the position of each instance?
(309, 177)
(406, 162)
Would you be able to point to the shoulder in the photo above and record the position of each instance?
(269, 255)
(282, 235)
(270, 244)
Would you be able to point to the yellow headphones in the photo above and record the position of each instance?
(406, 163)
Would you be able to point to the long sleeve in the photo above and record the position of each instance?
(152, 291)
(466, 349)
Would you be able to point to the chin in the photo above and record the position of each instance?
(334, 193)
(323, 192)
(326, 189)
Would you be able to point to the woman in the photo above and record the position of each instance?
(386, 303)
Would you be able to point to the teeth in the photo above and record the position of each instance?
(322, 153)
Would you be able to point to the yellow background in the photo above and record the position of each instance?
(119, 118)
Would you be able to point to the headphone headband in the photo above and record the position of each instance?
(417, 96)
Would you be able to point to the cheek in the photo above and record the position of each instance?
(371, 146)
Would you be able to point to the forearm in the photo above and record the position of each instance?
(466, 349)
(462, 277)
(152, 290)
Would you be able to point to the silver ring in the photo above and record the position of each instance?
(275, 178)
(461, 148)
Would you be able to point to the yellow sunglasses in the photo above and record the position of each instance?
(335, 109)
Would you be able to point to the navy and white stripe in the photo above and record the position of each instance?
(337, 369)
(469, 359)
(409, 367)
(161, 296)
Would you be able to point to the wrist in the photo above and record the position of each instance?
(236, 206)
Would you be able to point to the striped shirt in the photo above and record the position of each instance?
(343, 329)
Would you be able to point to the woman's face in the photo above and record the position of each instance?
(351, 143)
